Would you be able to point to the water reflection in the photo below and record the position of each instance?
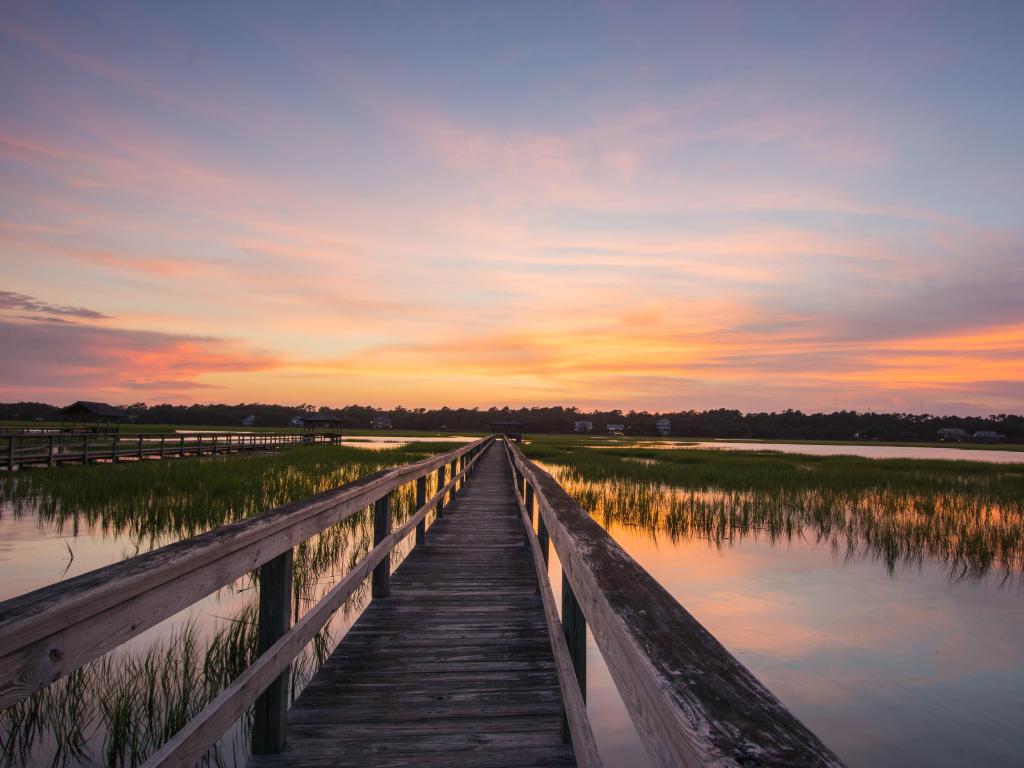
(973, 536)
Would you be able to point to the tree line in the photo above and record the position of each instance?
(721, 422)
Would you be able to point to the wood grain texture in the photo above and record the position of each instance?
(692, 703)
(455, 667)
(187, 747)
(575, 722)
(52, 631)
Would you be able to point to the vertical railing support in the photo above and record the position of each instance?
(528, 503)
(574, 625)
(381, 586)
(268, 729)
(440, 485)
(181, 447)
(140, 447)
(10, 453)
(163, 445)
(117, 439)
(421, 499)
(85, 449)
(543, 538)
(53, 455)
(455, 484)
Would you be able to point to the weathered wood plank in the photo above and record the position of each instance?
(52, 631)
(189, 744)
(454, 667)
(571, 682)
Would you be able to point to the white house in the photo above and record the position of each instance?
(380, 422)
(584, 426)
(664, 426)
(296, 421)
(249, 420)
(615, 429)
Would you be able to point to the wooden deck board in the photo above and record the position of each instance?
(454, 668)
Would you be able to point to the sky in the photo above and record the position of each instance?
(626, 205)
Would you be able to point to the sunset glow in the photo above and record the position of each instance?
(745, 206)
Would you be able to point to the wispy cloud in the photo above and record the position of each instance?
(10, 300)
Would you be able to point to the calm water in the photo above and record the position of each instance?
(891, 661)
(867, 450)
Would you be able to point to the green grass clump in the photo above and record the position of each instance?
(154, 502)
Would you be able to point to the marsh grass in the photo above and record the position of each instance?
(966, 515)
(119, 709)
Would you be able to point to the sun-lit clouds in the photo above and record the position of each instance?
(438, 219)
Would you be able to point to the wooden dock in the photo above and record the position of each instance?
(29, 448)
(454, 667)
(461, 658)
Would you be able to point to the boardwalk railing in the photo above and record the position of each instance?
(691, 701)
(49, 633)
(50, 449)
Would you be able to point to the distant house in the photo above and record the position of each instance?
(249, 420)
(664, 426)
(615, 429)
(987, 436)
(89, 416)
(584, 426)
(953, 435)
(295, 421)
(380, 422)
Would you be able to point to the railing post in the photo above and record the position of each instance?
(268, 730)
(215, 445)
(10, 453)
(163, 444)
(117, 439)
(52, 455)
(455, 474)
(543, 538)
(181, 447)
(574, 624)
(381, 583)
(421, 499)
(528, 503)
(85, 449)
(440, 485)
(140, 447)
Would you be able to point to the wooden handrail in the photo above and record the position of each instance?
(188, 746)
(692, 703)
(50, 632)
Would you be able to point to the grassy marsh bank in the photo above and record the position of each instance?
(967, 515)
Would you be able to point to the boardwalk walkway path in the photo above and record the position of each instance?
(453, 668)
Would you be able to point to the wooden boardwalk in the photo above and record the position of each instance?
(462, 658)
(455, 667)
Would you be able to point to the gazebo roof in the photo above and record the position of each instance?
(322, 419)
(89, 408)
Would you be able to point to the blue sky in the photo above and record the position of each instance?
(654, 205)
